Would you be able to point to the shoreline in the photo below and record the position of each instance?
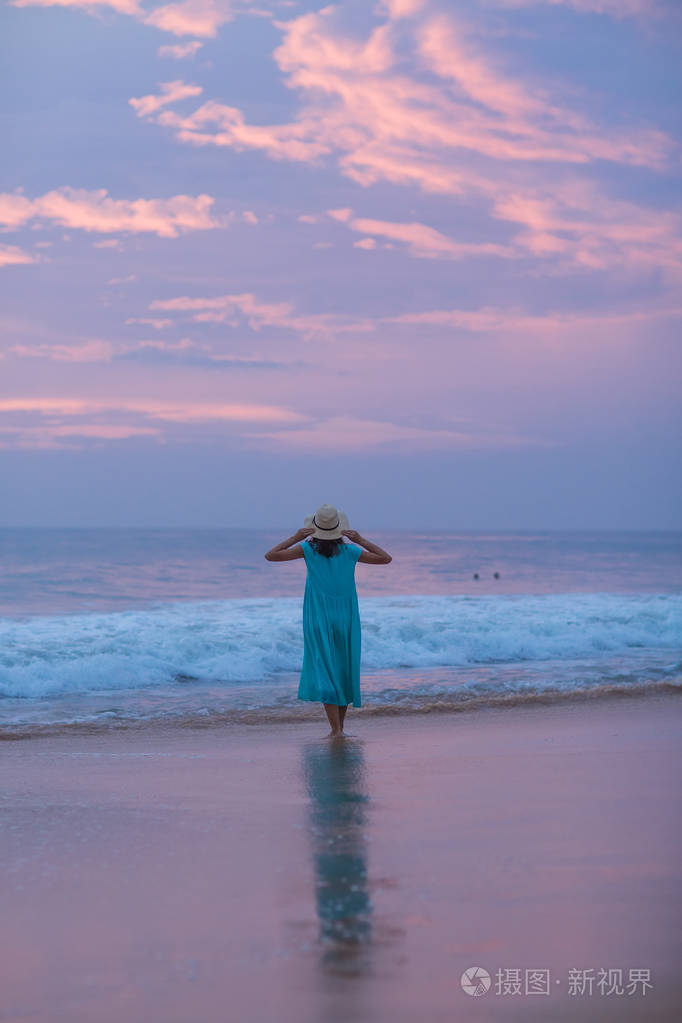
(271, 873)
(450, 705)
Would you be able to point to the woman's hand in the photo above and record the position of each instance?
(352, 535)
(304, 531)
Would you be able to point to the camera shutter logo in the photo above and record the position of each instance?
(475, 981)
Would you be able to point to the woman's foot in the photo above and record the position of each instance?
(336, 735)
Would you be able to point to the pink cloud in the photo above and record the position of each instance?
(191, 17)
(106, 351)
(346, 433)
(384, 123)
(157, 324)
(19, 431)
(614, 8)
(231, 308)
(128, 279)
(180, 50)
(169, 346)
(573, 224)
(285, 142)
(343, 214)
(15, 210)
(580, 226)
(171, 92)
(96, 211)
(201, 411)
(400, 8)
(475, 133)
(91, 351)
(178, 411)
(52, 436)
(425, 242)
(131, 7)
(12, 255)
(516, 320)
(313, 42)
(444, 48)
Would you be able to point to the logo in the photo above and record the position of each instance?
(475, 981)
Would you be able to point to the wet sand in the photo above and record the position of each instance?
(267, 874)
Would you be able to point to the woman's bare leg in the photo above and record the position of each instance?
(342, 714)
(334, 718)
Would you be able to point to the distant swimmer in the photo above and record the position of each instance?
(475, 575)
(496, 575)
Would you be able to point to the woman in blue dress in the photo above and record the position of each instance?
(331, 621)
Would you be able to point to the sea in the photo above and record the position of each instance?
(120, 628)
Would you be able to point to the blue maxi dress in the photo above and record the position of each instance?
(331, 628)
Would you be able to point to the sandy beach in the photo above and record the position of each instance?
(266, 873)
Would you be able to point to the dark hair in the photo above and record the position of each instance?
(328, 548)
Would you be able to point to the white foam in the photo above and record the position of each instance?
(249, 640)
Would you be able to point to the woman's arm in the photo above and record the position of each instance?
(280, 551)
(372, 554)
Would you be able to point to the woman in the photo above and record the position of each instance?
(331, 621)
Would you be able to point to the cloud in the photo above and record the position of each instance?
(423, 242)
(232, 309)
(385, 123)
(571, 227)
(399, 8)
(122, 280)
(114, 419)
(343, 214)
(575, 225)
(169, 353)
(174, 411)
(131, 7)
(157, 324)
(614, 8)
(171, 92)
(348, 434)
(181, 50)
(278, 428)
(283, 142)
(191, 17)
(201, 356)
(91, 351)
(12, 255)
(53, 437)
(517, 320)
(482, 131)
(95, 211)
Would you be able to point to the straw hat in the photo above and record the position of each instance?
(327, 522)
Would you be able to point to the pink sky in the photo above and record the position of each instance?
(337, 247)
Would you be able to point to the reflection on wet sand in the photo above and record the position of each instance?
(335, 781)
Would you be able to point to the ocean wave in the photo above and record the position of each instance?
(241, 641)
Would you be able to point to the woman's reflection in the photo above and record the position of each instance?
(334, 776)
